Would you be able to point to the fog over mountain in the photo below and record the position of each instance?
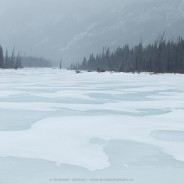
(75, 28)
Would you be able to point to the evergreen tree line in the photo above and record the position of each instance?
(160, 57)
(11, 61)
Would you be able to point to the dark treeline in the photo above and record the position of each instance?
(35, 62)
(9, 61)
(159, 57)
(12, 61)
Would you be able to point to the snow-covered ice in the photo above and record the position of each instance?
(91, 125)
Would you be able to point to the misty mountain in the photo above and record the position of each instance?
(76, 28)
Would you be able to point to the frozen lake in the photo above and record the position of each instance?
(56, 126)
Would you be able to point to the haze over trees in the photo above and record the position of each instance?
(13, 61)
(160, 57)
(90, 25)
(35, 62)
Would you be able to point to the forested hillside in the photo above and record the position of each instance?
(160, 57)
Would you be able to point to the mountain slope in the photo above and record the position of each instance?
(73, 28)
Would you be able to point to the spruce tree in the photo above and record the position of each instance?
(1, 57)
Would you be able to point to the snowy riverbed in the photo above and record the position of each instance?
(57, 124)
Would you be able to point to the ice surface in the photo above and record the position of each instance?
(91, 125)
(169, 135)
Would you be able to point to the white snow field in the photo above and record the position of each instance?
(57, 126)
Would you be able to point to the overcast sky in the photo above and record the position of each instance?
(75, 28)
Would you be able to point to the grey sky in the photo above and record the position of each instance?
(75, 28)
